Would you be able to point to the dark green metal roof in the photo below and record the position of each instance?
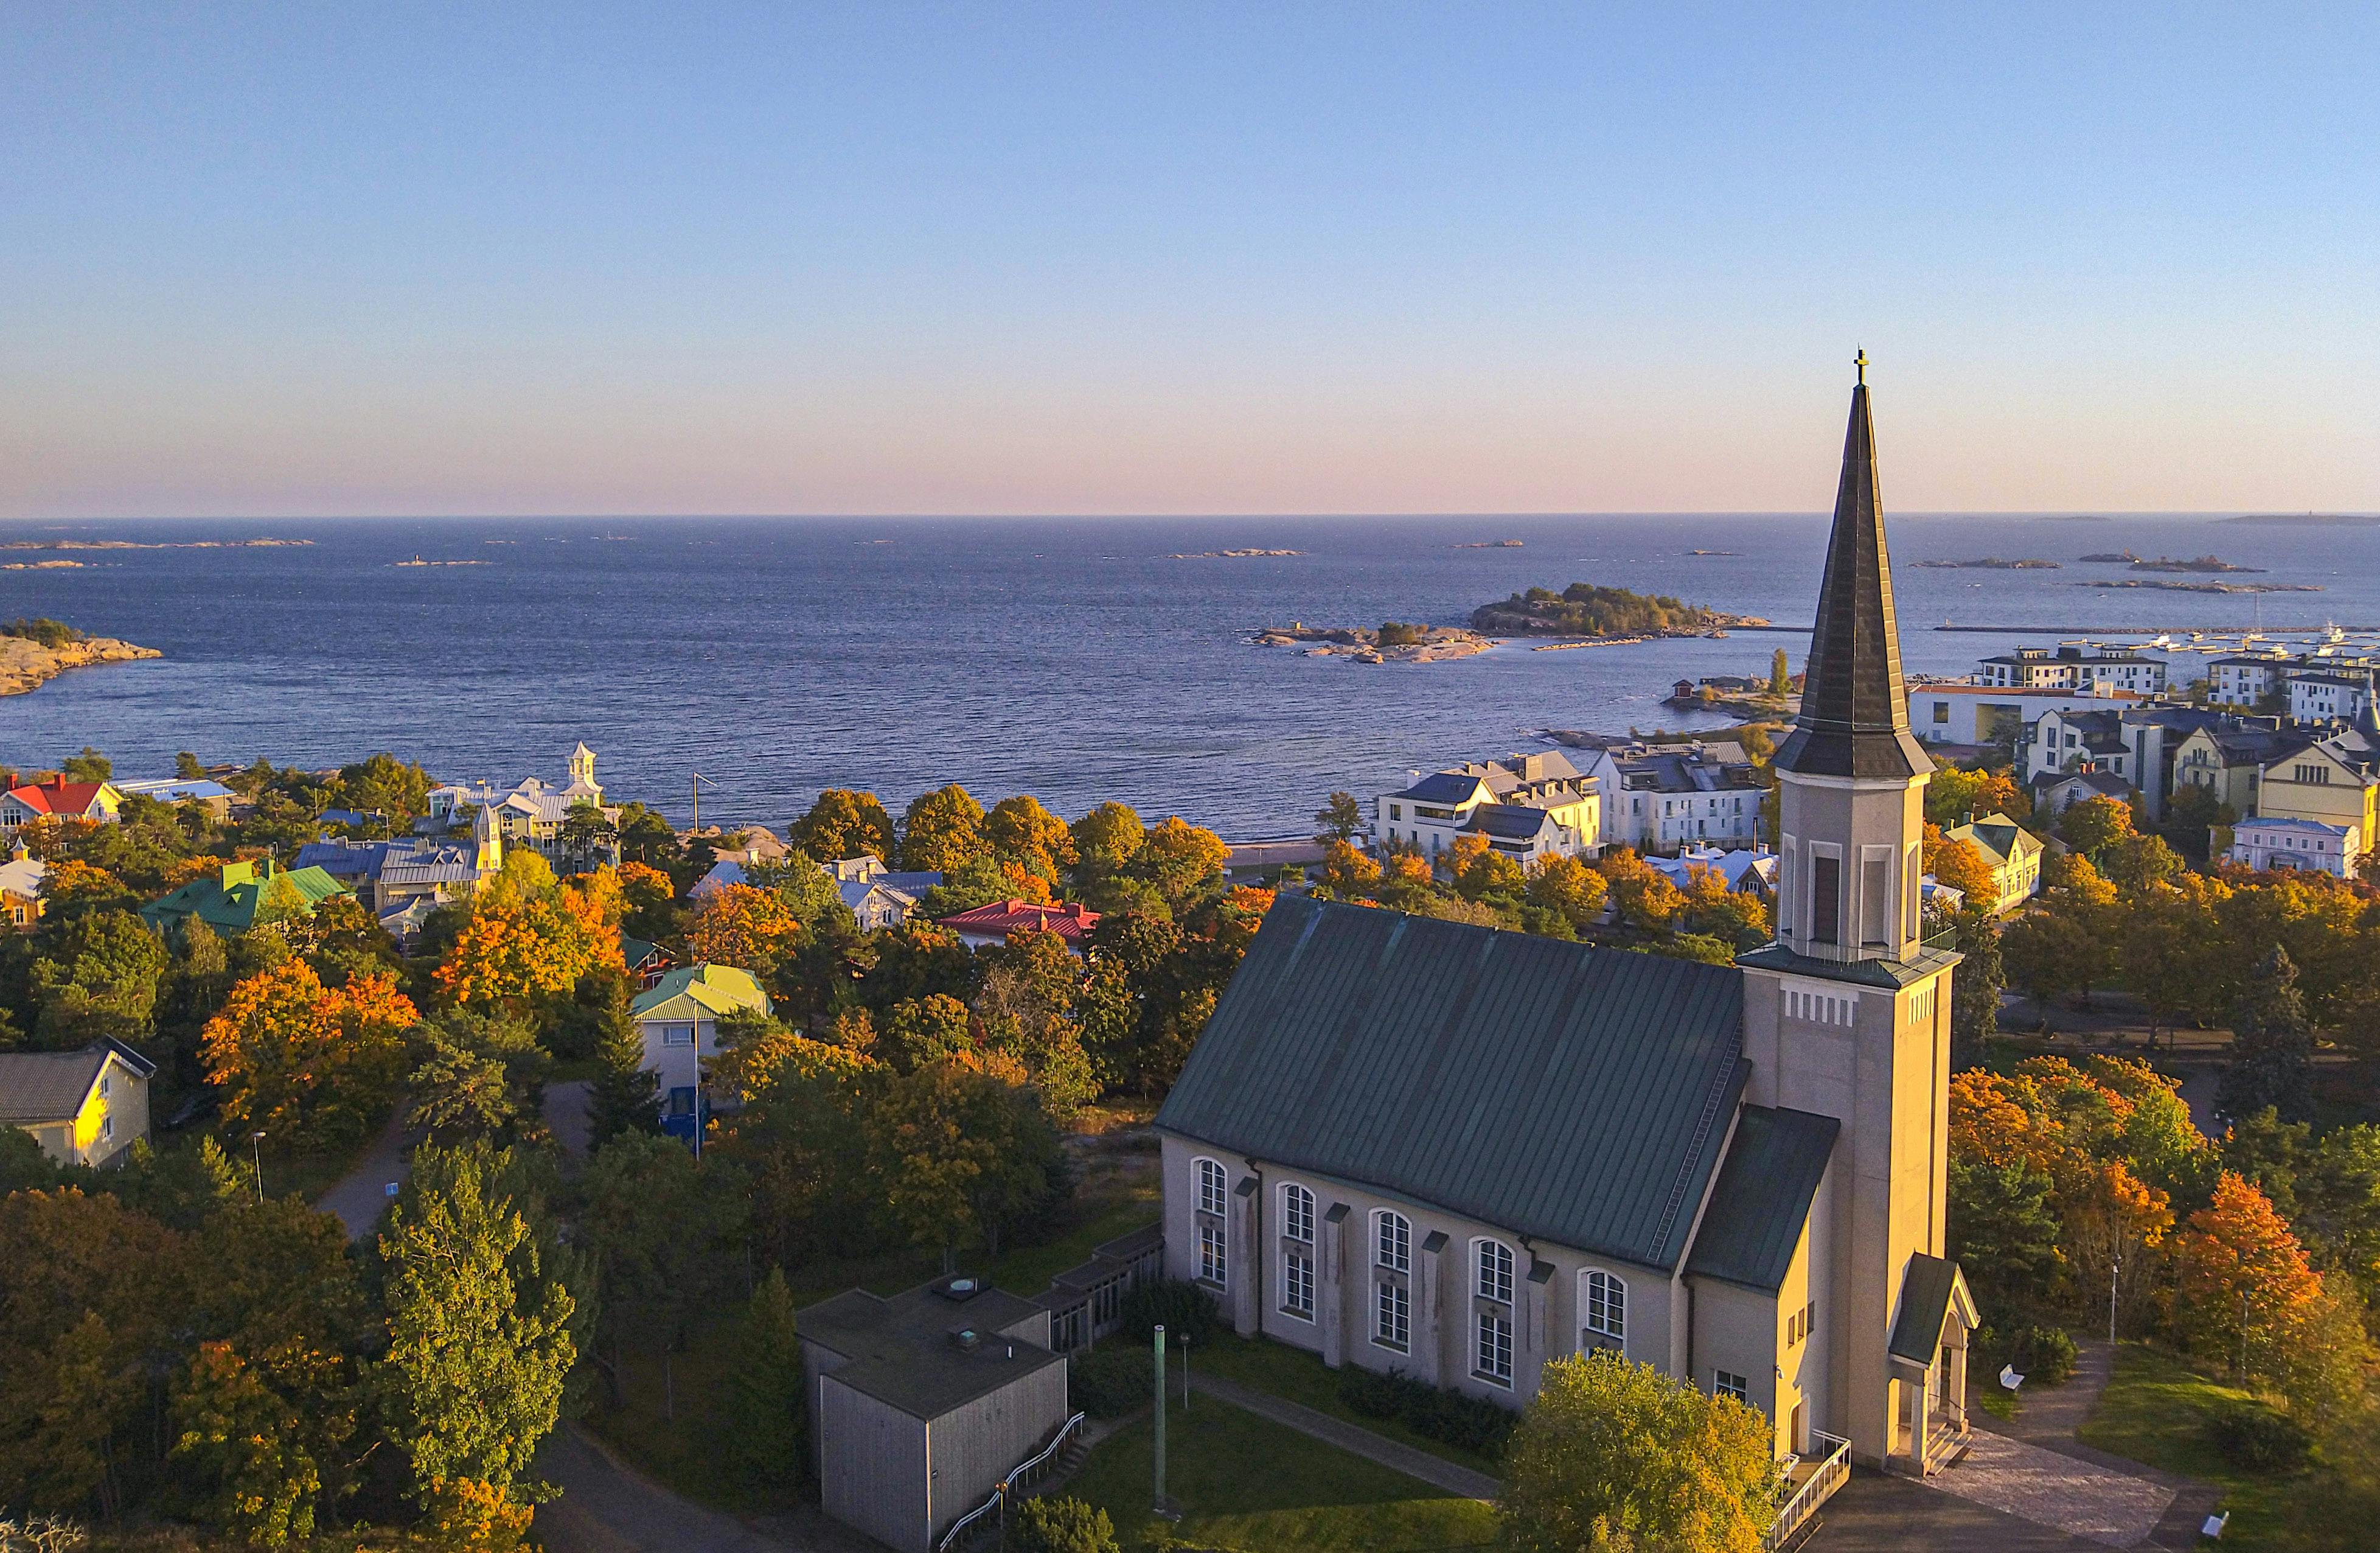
(1924, 1307)
(1551, 1089)
(1763, 1197)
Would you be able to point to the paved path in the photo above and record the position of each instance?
(565, 1112)
(1436, 1471)
(1881, 1512)
(359, 1196)
(609, 1507)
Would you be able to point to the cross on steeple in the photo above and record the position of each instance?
(1860, 361)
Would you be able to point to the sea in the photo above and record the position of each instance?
(755, 661)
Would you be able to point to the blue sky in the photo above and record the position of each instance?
(1198, 258)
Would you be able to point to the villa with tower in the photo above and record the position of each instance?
(1457, 1152)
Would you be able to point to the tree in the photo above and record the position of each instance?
(962, 1155)
(1954, 796)
(1340, 818)
(2112, 1216)
(2236, 1259)
(743, 926)
(1023, 836)
(943, 830)
(922, 1029)
(2272, 1045)
(1615, 1455)
(481, 1075)
(768, 1409)
(2172, 951)
(1781, 675)
(1347, 873)
(1960, 865)
(187, 768)
(100, 979)
(2048, 952)
(1063, 1524)
(1646, 898)
(384, 785)
(89, 767)
(1106, 839)
(654, 1223)
(2095, 824)
(247, 1439)
(1568, 889)
(2004, 1232)
(479, 1340)
(588, 833)
(1183, 861)
(625, 1096)
(530, 939)
(844, 823)
(1976, 987)
(315, 1067)
(2134, 864)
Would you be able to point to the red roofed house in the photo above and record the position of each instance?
(989, 925)
(58, 798)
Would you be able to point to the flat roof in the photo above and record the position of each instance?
(905, 1350)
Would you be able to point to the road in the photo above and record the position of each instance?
(359, 1196)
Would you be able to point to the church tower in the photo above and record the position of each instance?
(1846, 1014)
(582, 774)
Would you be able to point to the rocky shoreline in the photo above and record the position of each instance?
(26, 665)
(1430, 643)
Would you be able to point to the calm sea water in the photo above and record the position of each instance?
(1071, 659)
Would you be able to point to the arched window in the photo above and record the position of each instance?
(1492, 1264)
(1602, 1310)
(1297, 1212)
(1394, 1242)
(1214, 1187)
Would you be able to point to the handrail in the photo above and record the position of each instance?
(1830, 1473)
(1007, 1486)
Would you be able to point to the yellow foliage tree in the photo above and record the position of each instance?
(310, 1064)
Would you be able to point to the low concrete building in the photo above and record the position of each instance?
(83, 1108)
(921, 1404)
(2301, 844)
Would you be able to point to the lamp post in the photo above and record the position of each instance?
(256, 1151)
(2115, 1266)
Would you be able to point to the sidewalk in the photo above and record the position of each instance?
(1436, 1471)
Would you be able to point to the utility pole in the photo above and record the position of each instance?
(256, 1147)
(696, 784)
(1164, 1506)
(2115, 1264)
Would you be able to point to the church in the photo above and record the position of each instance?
(1458, 1153)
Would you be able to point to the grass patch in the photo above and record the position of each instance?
(1296, 1375)
(2159, 1411)
(1246, 1485)
(1997, 1400)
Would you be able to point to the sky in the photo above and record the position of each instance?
(265, 261)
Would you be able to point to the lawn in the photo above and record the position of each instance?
(1299, 1377)
(2157, 1410)
(1249, 1485)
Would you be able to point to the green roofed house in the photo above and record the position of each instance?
(241, 895)
(1423, 1146)
(678, 1017)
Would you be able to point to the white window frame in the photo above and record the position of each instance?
(1214, 1187)
(1214, 1256)
(1297, 1285)
(1491, 1269)
(1296, 1212)
(1492, 1349)
(1391, 1241)
(1391, 1316)
(1603, 1306)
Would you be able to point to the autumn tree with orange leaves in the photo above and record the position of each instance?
(530, 939)
(314, 1067)
(743, 926)
(2245, 1296)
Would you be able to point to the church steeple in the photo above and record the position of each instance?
(1854, 719)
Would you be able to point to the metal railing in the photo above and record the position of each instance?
(1010, 1486)
(1834, 1470)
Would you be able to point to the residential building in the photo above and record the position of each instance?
(1749, 871)
(2247, 678)
(988, 926)
(1524, 806)
(724, 872)
(1422, 1146)
(2229, 760)
(82, 1108)
(390, 877)
(921, 1403)
(2064, 739)
(2329, 695)
(2333, 782)
(2303, 844)
(2013, 854)
(2056, 793)
(532, 814)
(2074, 667)
(1659, 798)
(1956, 712)
(2154, 733)
(877, 896)
(239, 895)
(213, 797)
(678, 1017)
(21, 879)
(54, 798)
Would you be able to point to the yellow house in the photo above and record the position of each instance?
(2014, 854)
(83, 1108)
(2336, 782)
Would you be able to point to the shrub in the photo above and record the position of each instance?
(2254, 1436)
(1112, 1381)
(1177, 1305)
(2044, 1355)
(1433, 1412)
(48, 632)
(1064, 1525)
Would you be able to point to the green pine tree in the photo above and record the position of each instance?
(1975, 989)
(2272, 1045)
(768, 1402)
(626, 1095)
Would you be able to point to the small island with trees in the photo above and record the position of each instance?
(33, 653)
(1588, 610)
(1394, 642)
(1992, 563)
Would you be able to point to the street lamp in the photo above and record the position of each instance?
(256, 1147)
